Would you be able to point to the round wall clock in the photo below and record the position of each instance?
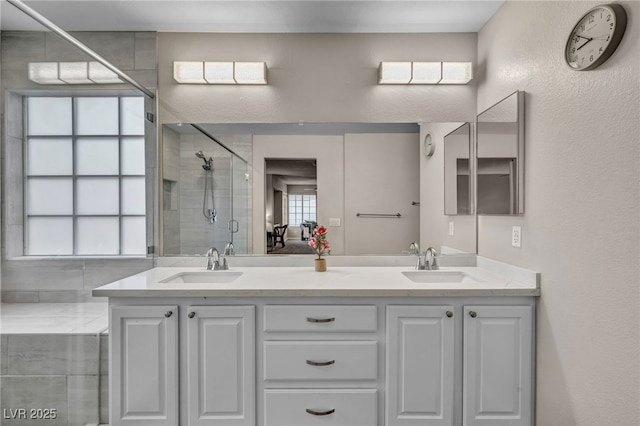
(595, 37)
(429, 146)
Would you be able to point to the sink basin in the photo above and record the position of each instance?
(203, 277)
(439, 277)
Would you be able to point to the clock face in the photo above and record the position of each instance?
(595, 37)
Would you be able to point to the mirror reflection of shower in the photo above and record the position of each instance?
(208, 207)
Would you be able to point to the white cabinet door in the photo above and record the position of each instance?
(420, 361)
(498, 344)
(221, 359)
(143, 370)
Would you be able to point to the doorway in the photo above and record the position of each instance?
(290, 204)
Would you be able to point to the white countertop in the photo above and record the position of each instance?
(491, 279)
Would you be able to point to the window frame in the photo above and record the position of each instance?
(301, 205)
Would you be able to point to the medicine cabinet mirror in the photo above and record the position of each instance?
(500, 157)
(458, 175)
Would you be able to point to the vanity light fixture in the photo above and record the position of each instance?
(71, 73)
(200, 72)
(425, 72)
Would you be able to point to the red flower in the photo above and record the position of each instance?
(321, 230)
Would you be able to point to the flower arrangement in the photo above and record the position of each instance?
(319, 241)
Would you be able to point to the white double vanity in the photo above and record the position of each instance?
(353, 346)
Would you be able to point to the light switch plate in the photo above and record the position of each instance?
(516, 236)
(451, 229)
(334, 221)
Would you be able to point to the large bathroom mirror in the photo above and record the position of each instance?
(458, 175)
(500, 157)
(245, 183)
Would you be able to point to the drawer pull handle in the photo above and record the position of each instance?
(309, 319)
(321, 413)
(321, 364)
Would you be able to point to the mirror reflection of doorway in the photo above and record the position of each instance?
(291, 204)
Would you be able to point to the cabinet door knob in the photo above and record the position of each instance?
(449, 314)
(309, 319)
(191, 314)
(321, 413)
(168, 314)
(473, 314)
(321, 363)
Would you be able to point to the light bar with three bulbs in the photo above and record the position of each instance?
(71, 73)
(201, 72)
(425, 72)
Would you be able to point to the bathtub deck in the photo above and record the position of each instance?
(54, 318)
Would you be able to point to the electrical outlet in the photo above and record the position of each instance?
(451, 229)
(516, 236)
(334, 221)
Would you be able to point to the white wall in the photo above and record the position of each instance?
(581, 222)
(381, 176)
(434, 225)
(325, 78)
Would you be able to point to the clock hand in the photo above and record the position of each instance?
(587, 38)
(585, 43)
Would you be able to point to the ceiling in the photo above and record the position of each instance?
(288, 16)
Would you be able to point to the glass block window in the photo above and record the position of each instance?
(85, 176)
(301, 207)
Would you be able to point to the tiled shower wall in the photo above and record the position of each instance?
(59, 280)
(186, 230)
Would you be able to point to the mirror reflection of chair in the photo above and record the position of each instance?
(279, 234)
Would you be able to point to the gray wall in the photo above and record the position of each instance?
(30, 280)
(581, 227)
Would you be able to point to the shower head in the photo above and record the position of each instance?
(207, 163)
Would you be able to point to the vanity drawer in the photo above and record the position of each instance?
(320, 360)
(344, 407)
(320, 318)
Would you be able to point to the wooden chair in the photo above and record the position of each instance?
(279, 234)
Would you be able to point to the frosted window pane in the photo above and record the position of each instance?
(133, 156)
(97, 116)
(49, 196)
(49, 116)
(98, 235)
(134, 235)
(49, 157)
(50, 236)
(97, 196)
(97, 156)
(132, 115)
(133, 201)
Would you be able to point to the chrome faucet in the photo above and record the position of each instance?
(428, 260)
(213, 259)
(229, 250)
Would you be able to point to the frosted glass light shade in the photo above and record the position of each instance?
(219, 72)
(189, 72)
(100, 74)
(250, 72)
(394, 73)
(44, 73)
(74, 72)
(456, 72)
(426, 73)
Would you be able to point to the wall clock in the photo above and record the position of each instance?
(429, 146)
(595, 37)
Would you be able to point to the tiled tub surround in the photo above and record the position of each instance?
(54, 356)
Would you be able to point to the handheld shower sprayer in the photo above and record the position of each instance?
(207, 163)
